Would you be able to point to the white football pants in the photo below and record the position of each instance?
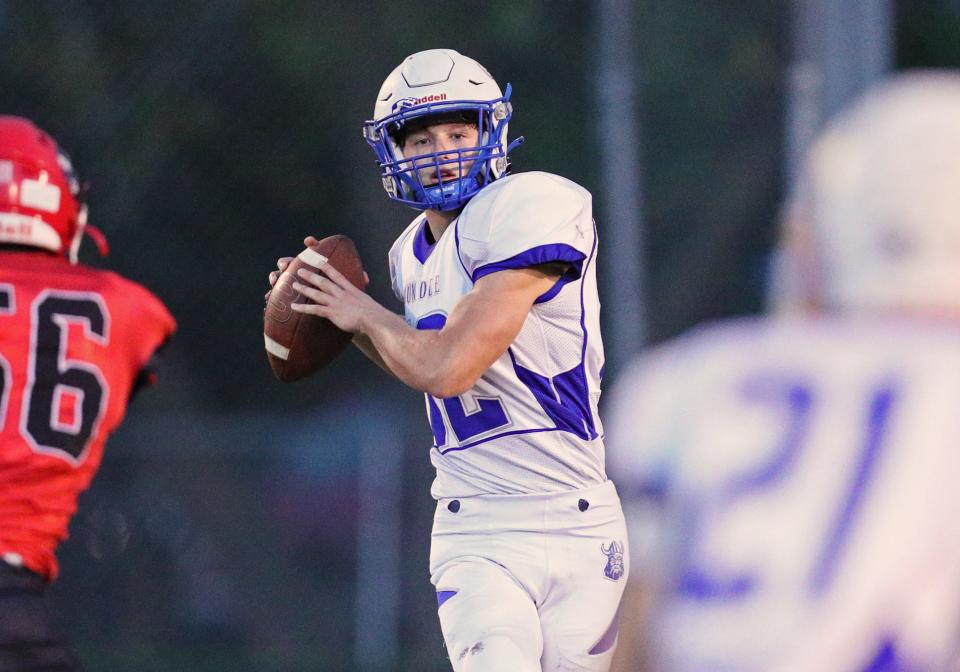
(530, 583)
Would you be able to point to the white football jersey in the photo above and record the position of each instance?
(808, 478)
(530, 423)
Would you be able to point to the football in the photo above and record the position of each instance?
(298, 344)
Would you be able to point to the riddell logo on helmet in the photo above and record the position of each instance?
(16, 228)
(404, 103)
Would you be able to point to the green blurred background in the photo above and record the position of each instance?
(242, 524)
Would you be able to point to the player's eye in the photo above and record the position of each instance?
(417, 140)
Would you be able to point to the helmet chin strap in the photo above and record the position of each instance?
(100, 240)
(95, 234)
(516, 143)
(74, 251)
(453, 188)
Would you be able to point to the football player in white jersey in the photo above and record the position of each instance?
(806, 465)
(501, 330)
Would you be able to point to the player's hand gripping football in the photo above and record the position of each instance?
(333, 296)
(283, 262)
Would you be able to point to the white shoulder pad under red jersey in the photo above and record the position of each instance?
(524, 220)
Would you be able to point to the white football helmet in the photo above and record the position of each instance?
(440, 83)
(875, 221)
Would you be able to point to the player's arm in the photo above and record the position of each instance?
(365, 345)
(444, 362)
(147, 376)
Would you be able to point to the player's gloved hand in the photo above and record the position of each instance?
(282, 264)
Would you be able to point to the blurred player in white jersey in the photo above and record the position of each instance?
(501, 331)
(806, 467)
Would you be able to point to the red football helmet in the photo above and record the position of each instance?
(40, 202)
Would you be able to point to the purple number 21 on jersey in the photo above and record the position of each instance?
(796, 397)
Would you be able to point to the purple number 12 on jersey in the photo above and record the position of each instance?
(490, 415)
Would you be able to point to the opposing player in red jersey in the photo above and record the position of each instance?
(75, 344)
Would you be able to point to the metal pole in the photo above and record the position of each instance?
(839, 49)
(379, 522)
(621, 227)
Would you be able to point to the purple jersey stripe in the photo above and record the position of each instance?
(443, 596)
(421, 246)
(542, 254)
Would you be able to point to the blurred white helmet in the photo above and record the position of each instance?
(440, 84)
(875, 221)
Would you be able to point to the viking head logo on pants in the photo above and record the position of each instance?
(614, 553)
